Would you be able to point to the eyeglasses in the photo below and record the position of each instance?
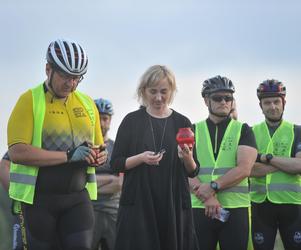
(67, 77)
(220, 98)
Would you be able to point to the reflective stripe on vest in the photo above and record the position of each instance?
(276, 187)
(279, 187)
(23, 178)
(211, 169)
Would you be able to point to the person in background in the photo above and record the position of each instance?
(226, 152)
(109, 187)
(4, 171)
(276, 183)
(52, 172)
(155, 206)
(6, 217)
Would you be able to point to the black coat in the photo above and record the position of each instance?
(155, 206)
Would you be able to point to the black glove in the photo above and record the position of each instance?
(79, 153)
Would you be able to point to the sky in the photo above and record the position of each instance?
(247, 41)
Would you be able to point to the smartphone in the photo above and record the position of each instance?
(162, 151)
(223, 216)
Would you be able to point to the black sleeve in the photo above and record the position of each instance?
(6, 156)
(121, 146)
(297, 141)
(247, 136)
(194, 150)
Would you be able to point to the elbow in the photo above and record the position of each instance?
(248, 173)
(14, 157)
(16, 153)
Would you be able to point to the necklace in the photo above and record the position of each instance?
(153, 134)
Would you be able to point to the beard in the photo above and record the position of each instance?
(104, 131)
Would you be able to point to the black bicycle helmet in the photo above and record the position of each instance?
(217, 84)
(271, 88)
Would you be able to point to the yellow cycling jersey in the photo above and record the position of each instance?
(66, 124)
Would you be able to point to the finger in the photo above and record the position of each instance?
(89, 159)
(186, 148)
(93, 153)
(206, 211)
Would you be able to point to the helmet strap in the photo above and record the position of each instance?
(51, 86)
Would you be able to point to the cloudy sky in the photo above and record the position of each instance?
(247, 41)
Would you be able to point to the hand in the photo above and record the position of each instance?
(212, 207)
(185, 153)
(80, 153)
(150, 158)
(204, 192)
(100, 155)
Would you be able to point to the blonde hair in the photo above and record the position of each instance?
(151, 77)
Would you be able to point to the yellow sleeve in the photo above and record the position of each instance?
(98, 140)
(20, 123)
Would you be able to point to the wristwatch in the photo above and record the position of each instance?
(214, 186)
(268, 157)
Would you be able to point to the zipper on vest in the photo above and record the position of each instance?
(215, 140)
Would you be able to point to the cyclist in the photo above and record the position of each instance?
(276, 186)
(52, 174)
(109, 187)
(226, 152)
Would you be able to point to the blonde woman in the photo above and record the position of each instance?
(155, 207)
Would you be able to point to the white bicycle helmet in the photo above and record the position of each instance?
(67, 56)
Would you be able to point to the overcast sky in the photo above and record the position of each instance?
(247, 41)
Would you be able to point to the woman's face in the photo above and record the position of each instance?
(158, 96)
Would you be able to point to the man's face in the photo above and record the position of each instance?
(62, 83)
(272, 107)
(105, 122)
(221, 103)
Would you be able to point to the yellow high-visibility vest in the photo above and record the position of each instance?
(23, 178)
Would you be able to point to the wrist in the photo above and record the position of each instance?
(68, 155)
(194, 172)
(258, 159)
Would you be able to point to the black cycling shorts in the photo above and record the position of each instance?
(59, 222)
(231, 235)
(268, 217)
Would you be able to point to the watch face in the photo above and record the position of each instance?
(269, 156)
(213, 185)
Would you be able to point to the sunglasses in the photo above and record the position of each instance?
(220, 98)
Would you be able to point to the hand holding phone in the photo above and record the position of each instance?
(162, 151)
